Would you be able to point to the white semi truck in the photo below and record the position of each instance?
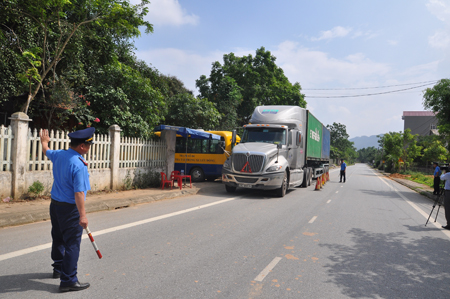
(282, 147)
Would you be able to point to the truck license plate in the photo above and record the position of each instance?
(245, 185)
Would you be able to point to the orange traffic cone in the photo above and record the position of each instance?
(323, 180)
(318, 184)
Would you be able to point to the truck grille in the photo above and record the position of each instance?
(255, 163)
(246, 180)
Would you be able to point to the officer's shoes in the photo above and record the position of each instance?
(56, 274)
(446, 227)
(75, 287)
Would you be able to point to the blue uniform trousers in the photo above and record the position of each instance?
(66, 236)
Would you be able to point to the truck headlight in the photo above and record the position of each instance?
(274, 168)
(227, 164)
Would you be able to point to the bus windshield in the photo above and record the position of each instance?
(261, 134)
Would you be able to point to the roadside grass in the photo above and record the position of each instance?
(418, 177)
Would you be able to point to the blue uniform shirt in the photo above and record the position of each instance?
(343, 166)
(70, 175)
(437, 171)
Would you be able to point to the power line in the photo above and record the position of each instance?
(369, 94)
(375, 87)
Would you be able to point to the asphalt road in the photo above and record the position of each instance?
(361, 239)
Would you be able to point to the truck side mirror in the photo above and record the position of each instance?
(233, 138)
(279, 146)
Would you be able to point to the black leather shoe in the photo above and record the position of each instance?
(56, 274)
(75, 287)
(446, 227)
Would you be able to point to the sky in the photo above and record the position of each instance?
(334, 49)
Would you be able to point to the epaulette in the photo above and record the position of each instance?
(82, 160)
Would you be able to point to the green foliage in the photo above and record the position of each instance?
(185, 110)
(36, 189)
(146, 179)
(341, 147)
(119, 94)
(127, 181)
(438, 100)
(58, 28)
(435, 152)
(367, 155)
(419, 177)
(246, 82)
(399, 149)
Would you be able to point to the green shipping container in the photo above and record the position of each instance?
(314, 138)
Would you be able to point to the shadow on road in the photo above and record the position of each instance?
(390, 266)
(28, 282)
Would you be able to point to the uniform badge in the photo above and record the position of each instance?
(82, 160)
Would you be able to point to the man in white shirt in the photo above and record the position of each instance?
(446, 177)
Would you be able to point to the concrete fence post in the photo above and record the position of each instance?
(19, 124)
(114, 135)
(169, 137)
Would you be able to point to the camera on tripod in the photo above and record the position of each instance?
(444, 167)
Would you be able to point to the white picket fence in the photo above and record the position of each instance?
(134, 152)
(5, 148)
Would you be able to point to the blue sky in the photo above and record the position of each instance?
(320, 44)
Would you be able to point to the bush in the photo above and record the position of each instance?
(147, 179)
(36, 189)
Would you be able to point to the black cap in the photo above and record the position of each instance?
(85, 136)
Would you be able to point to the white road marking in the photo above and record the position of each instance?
(267, 269)
(329, 201)
(421, 212)
(113, 229)
(312, 219)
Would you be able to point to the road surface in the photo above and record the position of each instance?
(361, 239)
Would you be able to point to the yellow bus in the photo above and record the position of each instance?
(203, 158)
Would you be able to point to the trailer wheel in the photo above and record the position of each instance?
(230, 189)
(197, 174)
(281, 192)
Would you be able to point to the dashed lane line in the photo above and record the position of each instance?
(267, 269)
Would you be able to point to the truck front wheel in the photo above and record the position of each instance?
(230, 189)
(281, 192)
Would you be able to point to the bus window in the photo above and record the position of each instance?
(215, 147)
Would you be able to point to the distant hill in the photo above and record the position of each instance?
(365, 141)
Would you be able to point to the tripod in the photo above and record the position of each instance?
(439, 201)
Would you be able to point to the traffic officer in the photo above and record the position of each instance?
(67, 212)
(446, 177)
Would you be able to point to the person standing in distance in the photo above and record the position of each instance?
(67, 212)
(437, 178)
(446, 177)
(343, 169)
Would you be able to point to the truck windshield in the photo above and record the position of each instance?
(268, 135)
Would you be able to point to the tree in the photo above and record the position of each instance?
(185, 110)
(438, 100)
(120, 95)
(367, 154)
(55, 24)
(400, 149)
(341, 147)
(257, 79)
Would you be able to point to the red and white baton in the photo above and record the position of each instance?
(93, 243)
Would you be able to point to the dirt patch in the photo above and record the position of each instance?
(399, 176)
